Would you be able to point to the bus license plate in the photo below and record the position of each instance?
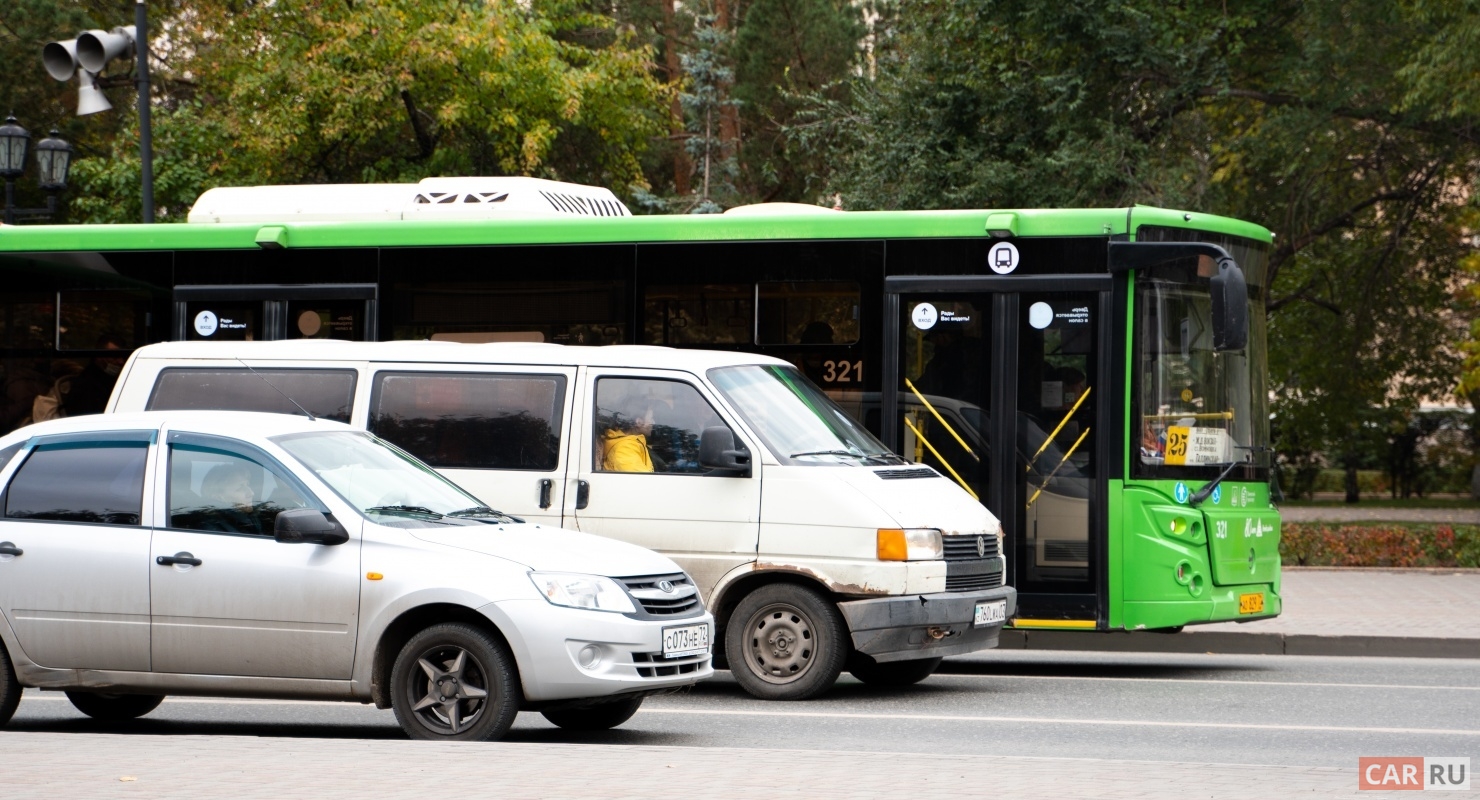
(1251, 603)
(689, 640)
(990, 613)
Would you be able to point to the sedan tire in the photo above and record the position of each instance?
(10, 688)
(455, 682)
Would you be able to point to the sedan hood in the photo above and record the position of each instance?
(544, 548)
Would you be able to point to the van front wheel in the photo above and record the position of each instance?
(786, 642)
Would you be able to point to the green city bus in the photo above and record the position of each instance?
(1121, 351)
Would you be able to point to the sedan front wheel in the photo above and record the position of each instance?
(455, 682)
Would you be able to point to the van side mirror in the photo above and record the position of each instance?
(717, 452)
(308, 526)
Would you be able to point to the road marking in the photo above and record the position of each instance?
(1211, 681)
(1060, 721)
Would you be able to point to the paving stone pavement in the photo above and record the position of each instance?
(1372, 602)
(53, 765)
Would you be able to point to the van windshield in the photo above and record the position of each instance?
(795, 419)
(383, 482)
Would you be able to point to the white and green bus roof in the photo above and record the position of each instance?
(494, 211)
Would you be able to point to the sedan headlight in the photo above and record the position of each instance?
(583, 591)
(909, 544)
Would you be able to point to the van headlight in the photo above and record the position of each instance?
(583, 591)
(909, 544)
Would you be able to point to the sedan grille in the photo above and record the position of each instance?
(655, 665)
(664, 595)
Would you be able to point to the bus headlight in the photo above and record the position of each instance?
(909, 544)
(582, 591)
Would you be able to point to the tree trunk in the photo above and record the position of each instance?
(729, 115)
(1353, 492)
(683, 166)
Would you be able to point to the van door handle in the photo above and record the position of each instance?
(546, 486)
(178, 558)
(583, 494)
(9, 549)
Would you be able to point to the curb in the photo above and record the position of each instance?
(1288, 644)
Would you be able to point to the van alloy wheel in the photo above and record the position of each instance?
(454, 681)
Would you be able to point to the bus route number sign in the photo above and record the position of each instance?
(1186, 445)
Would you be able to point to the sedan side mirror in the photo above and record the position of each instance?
(308, 526)
(717, 452)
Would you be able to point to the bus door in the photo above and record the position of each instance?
(1022, 361)
(261, 312)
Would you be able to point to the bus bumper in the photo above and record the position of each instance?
(925, 625)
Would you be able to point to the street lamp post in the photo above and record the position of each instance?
(53, 161)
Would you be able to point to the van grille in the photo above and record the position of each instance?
(972, 562)
(683, 600)
(905, 474)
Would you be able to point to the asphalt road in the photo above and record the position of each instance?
(1272, 710)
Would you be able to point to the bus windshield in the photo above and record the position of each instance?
(1200, 408)
(796, 420)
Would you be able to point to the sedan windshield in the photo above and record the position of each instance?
(796, 420)
(382, 481)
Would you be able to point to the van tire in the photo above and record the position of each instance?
(786, 642)
(108, 707)
(10, 687)
(479, 671)
(594, 718)
(892, 673)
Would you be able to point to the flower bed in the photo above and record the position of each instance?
(1321, 544)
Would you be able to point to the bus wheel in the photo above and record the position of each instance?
(10, 687)
(595, 718)
(892, 673)
(786, 642)
(114, 707)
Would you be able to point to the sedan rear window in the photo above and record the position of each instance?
(100, 482)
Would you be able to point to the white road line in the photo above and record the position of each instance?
(1060, 721)
(1209, 681)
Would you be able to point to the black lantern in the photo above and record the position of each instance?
(54, 160)
(14, 142)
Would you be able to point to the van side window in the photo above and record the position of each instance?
(471, 420)
(217, 490)
(325, 393)
(90, 481)
(650, 425)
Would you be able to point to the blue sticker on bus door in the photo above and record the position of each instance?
(1217, 494)
(1180, 492)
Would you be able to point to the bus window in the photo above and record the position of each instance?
(807, 312)
(698, 314)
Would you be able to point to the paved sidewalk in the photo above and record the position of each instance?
(108, 766)
(1327, 611)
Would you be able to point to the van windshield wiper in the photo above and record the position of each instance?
(403, 511)
(849, 453)
(483, 511)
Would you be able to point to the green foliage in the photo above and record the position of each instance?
(1379, 545)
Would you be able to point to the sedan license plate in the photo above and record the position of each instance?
(990, 613)
(1251, 603)
(689, 640)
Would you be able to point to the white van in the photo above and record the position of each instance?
(816, 548)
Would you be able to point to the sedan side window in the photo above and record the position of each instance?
(97, 482)
(216, 490)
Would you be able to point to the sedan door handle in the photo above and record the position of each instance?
(178, 558)
(9, 549)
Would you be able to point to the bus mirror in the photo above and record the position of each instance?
(1230, 307)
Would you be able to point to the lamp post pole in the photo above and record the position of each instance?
(146, 146)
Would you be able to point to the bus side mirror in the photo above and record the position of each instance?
(1230, 307)
(717, 452)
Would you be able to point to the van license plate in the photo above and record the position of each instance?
(990, 613)
(689, 640)
(1251, 603)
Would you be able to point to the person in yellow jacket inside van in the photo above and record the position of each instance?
(624, 447)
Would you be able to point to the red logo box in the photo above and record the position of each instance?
(1391, 773)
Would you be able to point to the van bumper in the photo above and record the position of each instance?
(924, 625)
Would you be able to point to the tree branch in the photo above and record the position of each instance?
(425, 141)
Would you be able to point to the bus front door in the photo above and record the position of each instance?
(1023, 364)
